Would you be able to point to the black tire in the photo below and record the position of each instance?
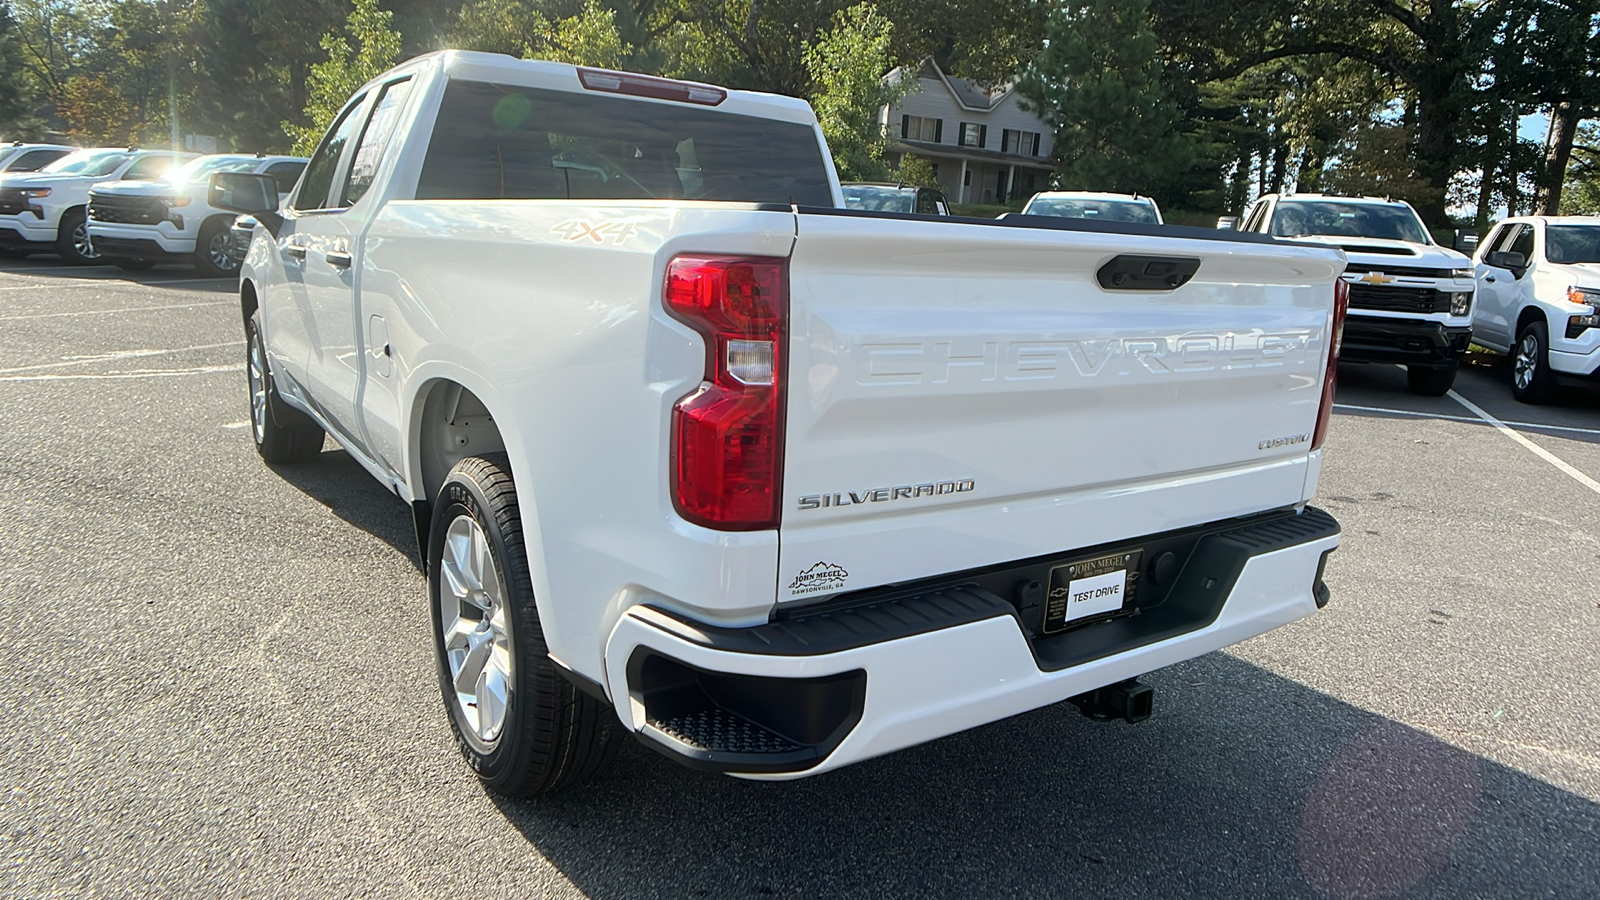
(210, 260)
(1432, 381)
(72, 241)
(553, 735)
(1531, 378)
(132, 265)
(282, 433)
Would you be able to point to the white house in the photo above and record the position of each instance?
(984, 146)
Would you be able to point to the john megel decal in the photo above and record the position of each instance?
(820, 577)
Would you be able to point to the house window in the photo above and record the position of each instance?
(918, 128)
(967, 180)
(1023, 143)
(974, 135)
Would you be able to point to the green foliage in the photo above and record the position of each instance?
(333, 82)
(848, 64)
(1582, 194)
(17, 120)
(589, 38)
(1099, 84)
(916, 170)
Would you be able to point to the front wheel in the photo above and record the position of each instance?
(1432, 381)
(1531, 378)
(282, 433)
(211, 250)
(522, 727)
(72, 239)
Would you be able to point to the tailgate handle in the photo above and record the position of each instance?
(1132, 272)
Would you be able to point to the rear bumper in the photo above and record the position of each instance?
(1419, 341)
(857, 679)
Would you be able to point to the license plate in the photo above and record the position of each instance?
(1091, 588)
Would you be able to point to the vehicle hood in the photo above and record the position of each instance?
(1584, 275)
(1376, 250)
(34, 179)
(140, 188)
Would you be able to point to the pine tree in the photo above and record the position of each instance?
(333, 82)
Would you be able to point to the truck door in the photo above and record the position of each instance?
(292, 331)
(1499, 289)
(331, 272)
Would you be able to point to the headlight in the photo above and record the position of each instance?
(1460, 303)
(1583, 296)
(178, 201)
(35, 193)
(1586, 318)
(1460, 273)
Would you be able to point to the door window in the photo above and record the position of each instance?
(285, 174)
(34, 160)
(318, 180)
(374, 140)
(1523, 243)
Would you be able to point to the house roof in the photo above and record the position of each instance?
(969, 94)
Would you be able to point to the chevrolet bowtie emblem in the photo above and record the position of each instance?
(1375, 278)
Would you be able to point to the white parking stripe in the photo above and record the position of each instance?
(1537, 450)
(113, 356)
(142, 373)
(107, 312)
(1432, 415)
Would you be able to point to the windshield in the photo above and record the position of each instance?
(88, 163)
(1330, 218)
(879, 199)
(1572, 243)
(206, 166)
(1105, 210)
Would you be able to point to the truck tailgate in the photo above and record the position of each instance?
(971, 392)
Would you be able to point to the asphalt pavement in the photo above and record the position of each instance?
(218, 678)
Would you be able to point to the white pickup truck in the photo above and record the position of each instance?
(1410, 299)
(1539, 301)
(45, 211)
(696, 453)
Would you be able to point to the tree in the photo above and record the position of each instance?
(847, 64)
(1098, 82)
(1582, 194)
(16, 89)
(333, 82)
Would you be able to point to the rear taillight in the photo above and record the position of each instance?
(1341, 303)
(727, 435)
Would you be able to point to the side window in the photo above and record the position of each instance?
(1488, 244)
(319, 171)
(374, 140)
(285, 174)
(34, 160)
(149, 169)
(927, 203)
(1523, 243)
(1252, 221)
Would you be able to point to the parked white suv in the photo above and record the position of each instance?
(1539, 300)
(44, 211)
(1410, 299)
(137, 224)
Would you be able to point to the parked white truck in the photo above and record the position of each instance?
(45, 211)
(696, 453)
(1539, 300)
(1410, 299)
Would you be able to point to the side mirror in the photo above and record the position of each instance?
(252, 195)
(1228, 223)
(1466, 241)
(1507, 259)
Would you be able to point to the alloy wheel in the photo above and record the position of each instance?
(476, 627)
(1526, 362)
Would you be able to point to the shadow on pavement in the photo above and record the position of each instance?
(172, 276)
(340, 483)
(1244, 785)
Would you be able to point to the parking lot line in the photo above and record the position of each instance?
(1520, 438)
(1474, 419)
(113, 356)
(107, 312)
(139, 373)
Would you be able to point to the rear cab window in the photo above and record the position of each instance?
(494, 141)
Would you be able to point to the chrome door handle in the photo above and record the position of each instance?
(1489, 278)
(295, 251)
(338, 258)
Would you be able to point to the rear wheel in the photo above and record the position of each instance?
(524, 728)
(1531, 379)
(211, 249)
(1432, 381)
(282, 433)
(72, 239)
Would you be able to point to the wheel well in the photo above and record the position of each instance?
(455, 424)
(247, 300)
(1529, 314)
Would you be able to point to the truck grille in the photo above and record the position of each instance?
(12, 202)
(1399, 299)
(126, 210)
(1406, 271)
